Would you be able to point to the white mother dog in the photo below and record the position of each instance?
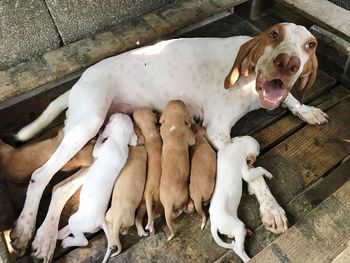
(194, 71)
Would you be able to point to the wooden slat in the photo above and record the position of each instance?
(343, 256)
(319, 237)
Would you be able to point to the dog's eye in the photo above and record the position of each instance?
(311, 45)
(274, 34)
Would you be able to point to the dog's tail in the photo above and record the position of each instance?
(218, 240)
(113, 226)
(48, 115)
(199, 208)
(168, 211)
(109, 241)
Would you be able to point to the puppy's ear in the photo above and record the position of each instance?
(188, 120)
(191, 140)
(162, 117)
(248, 53)
(250, 160)
(307, 77)
(133, 139)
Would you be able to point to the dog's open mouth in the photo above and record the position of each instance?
(272, 92)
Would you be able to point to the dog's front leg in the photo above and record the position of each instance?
(45, 240)
(272, 214)
(309, 114)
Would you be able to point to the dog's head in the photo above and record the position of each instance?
(120, 126)
(176, 110)
(280, 56)
(251, 146)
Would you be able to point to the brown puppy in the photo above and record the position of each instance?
(203, 171)
(147, 121)
(177, 136)
(18, 164)
(127, 195)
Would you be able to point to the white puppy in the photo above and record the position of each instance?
(232, 166)
(110, 153)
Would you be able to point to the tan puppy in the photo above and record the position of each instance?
(127, 195)
(177, 136)
(17, 164)
(147, 121)
(203, 171)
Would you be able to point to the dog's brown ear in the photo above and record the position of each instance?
(188, 120)
(307, 77)
(248, 53)
(250, 160)
(162, 117)
(190, 137)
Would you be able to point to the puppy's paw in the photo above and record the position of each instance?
(273, 216)
(267, 174)
(142, 233)
(311, 115)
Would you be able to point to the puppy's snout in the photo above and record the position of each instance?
(287, 64)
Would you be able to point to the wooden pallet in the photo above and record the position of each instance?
(309, 164)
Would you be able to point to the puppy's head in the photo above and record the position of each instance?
(280, 56)
(251, 146)
(120, 127)
(176, 110)
(197, 130)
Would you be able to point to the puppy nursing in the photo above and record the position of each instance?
(17, 164)
(231, 168)
(177, 137)
(203, 171)
(110, 153)
(147, 121)
(121, 215)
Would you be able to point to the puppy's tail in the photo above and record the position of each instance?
(199, 208)
(109, 243)
(168, 211)
(218, 240)
(48, 115)
(112, 227)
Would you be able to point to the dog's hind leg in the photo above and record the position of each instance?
(239, 233)
(76, 136)
(141, 211)
(150, 219)
(44, 243)
(79, 240)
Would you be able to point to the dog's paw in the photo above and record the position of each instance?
(267, 174)
(142, 233)
(273, 217)
(311, 115)
(21, 234)
(44, 244)
(150, 228)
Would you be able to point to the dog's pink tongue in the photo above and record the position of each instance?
(273, 90)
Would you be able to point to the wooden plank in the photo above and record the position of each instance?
(344, 256)
(342, 195)
(319, 237)
(325, 14)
